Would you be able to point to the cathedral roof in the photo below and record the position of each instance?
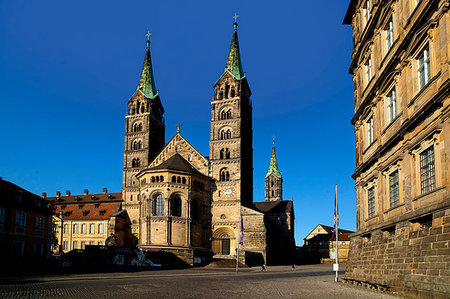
(147, 82)
(274, 207)
(234, 65)
(176, 162)
(273, 167)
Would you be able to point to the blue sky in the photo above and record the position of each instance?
(69, 68)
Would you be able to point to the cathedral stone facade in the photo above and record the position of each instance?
(182, 202)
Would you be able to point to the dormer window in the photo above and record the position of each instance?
(80, 207)
(97, 205)
(102, 212)
(85, 213)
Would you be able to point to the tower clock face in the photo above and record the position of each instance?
(229, 191)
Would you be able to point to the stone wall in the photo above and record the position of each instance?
(413, 259)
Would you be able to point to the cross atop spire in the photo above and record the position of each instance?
(273, 141)
(148, 35)
(235, 18)
(178, 127)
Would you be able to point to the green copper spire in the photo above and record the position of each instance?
(273, 168)
(147, 81)
(234, 65)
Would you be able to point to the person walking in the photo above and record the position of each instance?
(263, 268)
(293, 267)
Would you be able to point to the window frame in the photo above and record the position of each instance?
(40, 223)
(22, 221)
(431, 178)
(423, 66)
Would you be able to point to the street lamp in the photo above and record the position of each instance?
(61, 214)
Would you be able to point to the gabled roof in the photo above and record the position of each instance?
(176, 162)
(274, 207)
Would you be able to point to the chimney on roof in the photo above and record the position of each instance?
(58, 193)
(105, 190)
(85, 192)
(68, 193)
(44, 195)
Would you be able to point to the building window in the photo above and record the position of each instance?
(91, 242)
(20, 219)
(371, 201)
(423, 67)
(389, 35)
(65, 245)
(40, 222)
(343, 243)
(370, 131)
(368, 68)
(92, 229)
(38, 249)
(83, 228)
(427, 170)
(136, 162)
(83, 245)
(74, 245)
(392, 105)
(224, 175)
(19, 247)
(2, 215)
(225, 153)
(99, 243)
(75, 228)
(66, 228)
(225, 134)
(56, 228)
(100, 228)
(394, 189)
(159, 203)
(175, 206)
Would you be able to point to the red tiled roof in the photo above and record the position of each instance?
(104, 211)
(329, 230)
(62, 200)
(108, 204)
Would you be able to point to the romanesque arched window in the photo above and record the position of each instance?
(232, 93)
(157, 179)
(136, 145)
(225, 134)
(175, 206)
(227, 153)
(224, 175)
(174, 179)
(136, 162)
(178, 180)
(161, 178)
(196, 209)
(183, 180)
(142, 108)
(153, 179)
(159, 206)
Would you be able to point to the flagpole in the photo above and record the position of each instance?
(239, 241)
(337, 235)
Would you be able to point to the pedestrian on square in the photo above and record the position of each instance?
(293, 267)
(263, 268)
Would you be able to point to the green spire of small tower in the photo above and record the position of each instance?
(273, 167)
(147, 81)
(234, 65)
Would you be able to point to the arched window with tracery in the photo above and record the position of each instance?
(137, 145)
(175, 206)
(224, 175)
(159, 206)
(225, 153)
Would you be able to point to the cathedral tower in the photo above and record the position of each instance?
(230, 149)
(144, 136)
(230, 152)
(273, 180)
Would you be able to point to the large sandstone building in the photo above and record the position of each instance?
(400, 68)
(189, 204)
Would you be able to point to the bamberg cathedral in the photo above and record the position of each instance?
(192, 205)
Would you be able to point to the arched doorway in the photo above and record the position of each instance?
(223, 241)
